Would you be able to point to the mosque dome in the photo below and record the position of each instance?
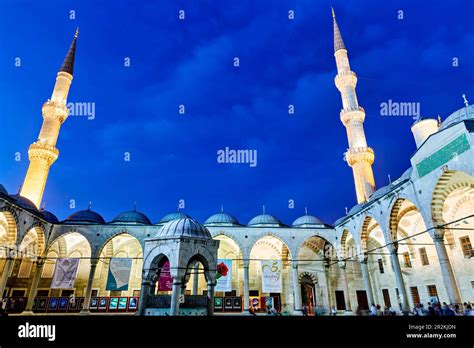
(465, 113)
(85, 216)
(48, 216)
(265, 220)
(132, 217)
(174, 216)
(307, 221)
(185, 227)
(222, 219)
(3, 190)
(24, 202)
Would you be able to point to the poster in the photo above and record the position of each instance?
(65, 273)
(224, 275)
(119, 274)
(165, 282)
(271, 276)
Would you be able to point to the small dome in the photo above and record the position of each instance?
(85, 216)
(307, 221)
(264, 220)
(24, 202)
(222, 219)
(3, 190)
(465, 113)
(132, 217)
(185, 227)
(48, 216)
(174, 216)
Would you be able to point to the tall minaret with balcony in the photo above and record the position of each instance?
(43, 152)
(359, 156)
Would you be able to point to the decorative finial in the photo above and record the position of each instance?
(347, 211)
(263, 209)
(439, 121)
(222, 208)
(44, 206)
(465, 100)
(77, 33)
(305, 210)
(333, 13)
(389, 179)
(90, 205)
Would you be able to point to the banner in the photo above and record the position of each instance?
(165, 282)
(119, 274)
(65, 273)
(224, 275)
(271, 276)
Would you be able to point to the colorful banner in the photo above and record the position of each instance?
(165, 282)
(224, 275)
(271, 276)
(65, 273)
(119, 274)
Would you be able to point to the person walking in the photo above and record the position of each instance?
(373, 310)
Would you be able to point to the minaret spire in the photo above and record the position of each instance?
(359, 156)
(43, 152)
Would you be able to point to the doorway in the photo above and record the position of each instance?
(308, 297)
(362, 300)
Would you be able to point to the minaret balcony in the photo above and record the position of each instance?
(359, 154)
(43, 151)
(352, 114)
(345, 78)
(54, 109)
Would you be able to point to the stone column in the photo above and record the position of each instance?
(345, 284)
(144, 293)
(7, 268)
(174, 310)
(368, 286)
(328, 286)
(446, 268)
(196, 279)
(34, 286)
(246, 286)
(399, 278)
(87, 299)
(210, 296)
(296, 290)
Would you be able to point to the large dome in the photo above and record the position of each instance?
(3, 190)
(132, 217)
(85, 216)
(466, 113)
(24, 202)
(265, 220)
(222, 219)
(307, 221)
(48, 216)
(185, 227)
(174, 216)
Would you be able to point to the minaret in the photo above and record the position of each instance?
(43, 152)
(359, 156)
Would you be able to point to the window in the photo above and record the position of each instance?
(424, 257)
(48, 267)
(466, 246)
(380, 262)
(406, 260)
(432, 292)
(386, 298)
(415, 295)
(25, 268)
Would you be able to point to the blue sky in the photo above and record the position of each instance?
(190, 62)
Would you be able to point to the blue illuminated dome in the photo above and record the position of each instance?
(24, 202)
(265, 220)
(48, 216)
(174, 216)
(85, 217)
(185, 227)
(307, 221)
(132, 217)
(222, 219)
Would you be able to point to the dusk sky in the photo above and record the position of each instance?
(191, 62)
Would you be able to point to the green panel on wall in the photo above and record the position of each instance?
(443, 155)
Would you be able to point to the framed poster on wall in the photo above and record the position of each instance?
(122, 304)
(218, 304)
(237, 304)
(133, 304)
(103, 302)
(113, 304)
(63, 303)
(53, 304)
(94, 303)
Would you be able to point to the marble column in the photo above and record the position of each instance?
(210, 296)
(196, 279)
(328, 286)
(87, 299)
(446, 268)
(345, 284)
(368, 286)
(246, 285)
(296, 290)
(7, 268)
(399, 278)
(176, 290)
(145, 291)
(34, 285)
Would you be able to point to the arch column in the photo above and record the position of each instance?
(196, 279)
(176, 291)
(7, 268)
(328, 285)
(405, 308)
(446, 268)
(366, 276)
(145, 290)
(87, 299)
(345, 284)
(34, 285)
(210, 295)
(246, 286)
(296, 290)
